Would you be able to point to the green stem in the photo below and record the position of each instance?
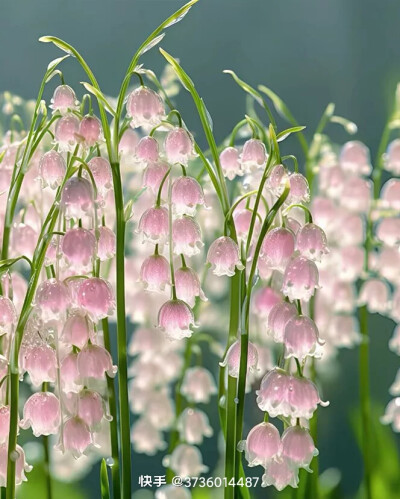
(47, 466)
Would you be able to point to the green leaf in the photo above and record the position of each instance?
(104, 484)
(55, 62)
(99, 95)
(5, 265)
(285, 133)
(254, 93)
(156, 40)
(279, 104)
(64, 46)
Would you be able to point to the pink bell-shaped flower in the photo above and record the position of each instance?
(356, 195)
(42, 413)
(300, 279)
(100, 169)
(223, 255)
(230, 162)
(79, 247)
(4, 423)
(392, 157)
(21, 466)
(375, 294)
(178, 146)
(90, 130)
(232, 359)
(8, 315)
(187, 286)
(64, 99)
(77, 197)
(147, 150)
(253, 155)
(351, 263)
(277, 179)
(52, 169)
(277, 248)
(186, 195)
(280, 475)
(95, 361)
(392, 414)
(390, 194)
(193, 425)
(154, 174)
(154, 225)
(95, 295)
(176, 318)
(388, 231)
(78, 329)
(154, 273)
(160, 410)
(278, 317)
(242, 220)
(106, 243)
(41, 363)
(301, 338)
(145, 108)
(311, 242)
(186, 236)
(303, 398)
(298, 448)
(128, 143)
(264, 300)
(71, 380)
(77, 438)
(354, 158)
(90, 408)
(67, 132)
(198, 385)
(185, 461)
(145, 438)
(272, 397)
(262, 445)
(52, 299)
(23, 240)
(299, 189)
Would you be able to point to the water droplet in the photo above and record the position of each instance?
(236, 400)
(14, 455)
(110, 461)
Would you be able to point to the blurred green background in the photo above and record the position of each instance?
(310, 52)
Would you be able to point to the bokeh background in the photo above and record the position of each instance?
(309, 52)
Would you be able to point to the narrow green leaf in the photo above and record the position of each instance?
(152, 44)
(99, 95)
(58, 43)
(55, 62)
(285, 133)
(104, 484)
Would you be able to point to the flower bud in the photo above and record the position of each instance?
(230, 163)
(154, 225)
(52, 169)
(253, 155)
(298, 448)
(95, 295)
(145, 108)
(186, 236)
(262, 445)
(198, 385)
(232, 359)
(300, 279)
(42, 413)
(66, 132)
(311, 242)
(179, 147)
(277, 248)
(186, 195)
(223, 255)
(77, 197)
(175, 318)
(154, 273)
(64, 99)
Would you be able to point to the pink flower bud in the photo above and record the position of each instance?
(392, 157)
(154, 225)
(145, 107)
(390, 194)
(278, 317)
(232, 359)
(78, 329)
(303, 398)
(230, 163)
(77, 197)
(388, 265)
(179, 146)
(299, 189)
(154, 273)
(66, 132)
(198, 385)
(101, 171)
(52, 169)
(356, 195)
(94, 362)
(64, 99)
(223, 255)
(351, 263)
(21, 465)
(78, 247)
(375, 294)
(388, 231)
(175, 318)
(186, 236)
(298, 447)
(145, 438)
(242, 220)
(277, 179)
(52, 299)
(186, 194)
(193, 425)
(154, 174)
(90, 130)
(300, 279)
(106, 244)
(147, 150)
(272, 397)
(264, 300)
(311, 242)
(160, 410)
(277, 248)
(185, 461)
(90, 408)
(95, 295)
(42, 413)
(4, 423)
(253, 155)
(40, 362)
(8, 315)
(187, 285)
(76, 437)
(280, 475)
(23, 240)
(354, 158)
(262, 445)
(127, 144)
(301, 338)
(71, 380)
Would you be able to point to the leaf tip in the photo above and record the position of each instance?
(45, 39)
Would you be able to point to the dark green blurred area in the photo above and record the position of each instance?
(310, 52)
